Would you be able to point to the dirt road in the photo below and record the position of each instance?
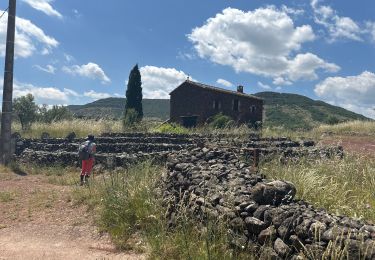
(38, 220)
(363, 145)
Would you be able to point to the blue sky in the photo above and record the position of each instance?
(74, 52)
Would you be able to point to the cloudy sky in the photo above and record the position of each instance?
(74, 52)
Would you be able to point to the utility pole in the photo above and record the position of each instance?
(6, 116)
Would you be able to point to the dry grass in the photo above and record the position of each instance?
(348, 128)
(61, 129)
(343, 187)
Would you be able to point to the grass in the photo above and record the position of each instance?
(81, 127)
(363, 128)
(130, 209)
(343, 187)
(6, 196)
(62, 128)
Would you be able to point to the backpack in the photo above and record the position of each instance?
(83, 151)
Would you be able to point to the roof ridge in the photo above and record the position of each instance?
(199, 84)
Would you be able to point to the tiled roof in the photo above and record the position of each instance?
(204, 86)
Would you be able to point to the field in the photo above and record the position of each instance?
(127, 204)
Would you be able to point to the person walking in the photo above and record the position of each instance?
(86, 153)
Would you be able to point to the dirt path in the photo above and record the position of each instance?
(363, 145)
(38, 220)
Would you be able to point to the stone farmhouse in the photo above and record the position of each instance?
(192, 103)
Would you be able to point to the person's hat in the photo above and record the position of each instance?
(90, 137)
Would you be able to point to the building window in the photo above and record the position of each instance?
(216, 105)
(236, 104)
(252, 109)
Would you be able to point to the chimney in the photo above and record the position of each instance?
(240, 89)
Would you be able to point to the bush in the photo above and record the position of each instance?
(221, 121)
(171, 129)
(332, 120)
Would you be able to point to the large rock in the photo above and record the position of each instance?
(273, 193)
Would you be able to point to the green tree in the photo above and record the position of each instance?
(134, 93)
(26, 110)
(55, 114)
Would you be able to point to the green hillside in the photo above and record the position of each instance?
(294, 111)
(291, 111)
(114, 107)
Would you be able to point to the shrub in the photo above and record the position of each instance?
(332, 120)
(221, 121)
(171, 129)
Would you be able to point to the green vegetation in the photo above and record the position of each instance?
(342, 186)
(26, 110)
(292, 111)
(220, 121)
(55, 114)
(171, 128)
(134, 94)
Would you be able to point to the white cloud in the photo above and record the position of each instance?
(44, 6)
(264, 86)
(225, 83)
(261, 42)
(281, 81)
(90, 70)
(356, 93)
(337, 26)
(49, 69)
(29, 38)
(158, 82)
(71, 92)
(370, 27)
(43, 95)
(96, 95)
(292, 11)
(68, 58)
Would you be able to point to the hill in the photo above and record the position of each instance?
(114, 107)
(294, 111)
(291, 111)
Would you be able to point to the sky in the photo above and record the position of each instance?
(75, 52)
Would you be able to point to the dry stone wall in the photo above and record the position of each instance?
(215, 183)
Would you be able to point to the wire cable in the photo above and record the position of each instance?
(4, 12)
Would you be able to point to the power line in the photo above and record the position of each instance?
(4, 12)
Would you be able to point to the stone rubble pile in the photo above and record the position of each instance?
(213, 183)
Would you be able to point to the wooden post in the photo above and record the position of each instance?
(6, 116)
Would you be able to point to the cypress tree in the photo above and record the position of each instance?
(134, 93)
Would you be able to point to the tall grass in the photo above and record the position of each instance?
(83, 127)
(351, 127)
(130, 208)
(342, 186)
(62, 128)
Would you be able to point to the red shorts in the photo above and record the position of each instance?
(87, 166)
